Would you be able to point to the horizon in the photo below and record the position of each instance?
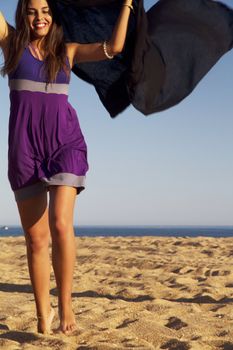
(141, 226)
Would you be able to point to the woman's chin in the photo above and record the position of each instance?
(39, 33)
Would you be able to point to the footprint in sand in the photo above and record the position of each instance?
(125, 323)
(217, 273)
(208, 252)
(129, 343)
(174, 344)
(178, 243)
(199, 298)
(174, 284)
(183, 270)
(222, 334)
(229, 285)
(216, 308)
(4, 326)
(226, 273)
(220, 316)
(207, 273)
(175, 323)
(201, 279)
(193, 244)
(196, 337)
(177, 270)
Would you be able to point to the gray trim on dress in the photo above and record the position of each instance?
(35, 86)
(67, 179)
(62, 179)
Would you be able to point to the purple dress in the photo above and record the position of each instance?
(46, 144)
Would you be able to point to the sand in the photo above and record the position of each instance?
(142, 293)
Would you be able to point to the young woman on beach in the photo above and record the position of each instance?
(47, 151)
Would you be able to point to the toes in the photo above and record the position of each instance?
(74, 327)
(64, 329)
(69, 329)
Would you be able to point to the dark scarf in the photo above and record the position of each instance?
(167, 52)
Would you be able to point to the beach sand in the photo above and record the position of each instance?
(139, 293)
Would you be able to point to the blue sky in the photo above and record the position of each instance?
(169, 168)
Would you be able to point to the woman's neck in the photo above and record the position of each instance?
(37, 49)
(36, 44)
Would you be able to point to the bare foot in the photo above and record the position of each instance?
(44, 324)
(67, 321)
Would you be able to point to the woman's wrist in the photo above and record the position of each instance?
(128, 3)
(107, 54)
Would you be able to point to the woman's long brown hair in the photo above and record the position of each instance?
(53, 43)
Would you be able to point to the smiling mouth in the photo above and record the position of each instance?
(40, 26)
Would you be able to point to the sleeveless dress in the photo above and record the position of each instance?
(45, 144)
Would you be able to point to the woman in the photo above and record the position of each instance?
(47, 151)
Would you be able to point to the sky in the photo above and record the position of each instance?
(168, 168)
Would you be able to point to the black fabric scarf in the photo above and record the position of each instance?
(168, 49)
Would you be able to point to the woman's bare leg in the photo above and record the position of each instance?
(34, 218)
(61, 207)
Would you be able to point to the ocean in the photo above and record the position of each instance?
(124, 231)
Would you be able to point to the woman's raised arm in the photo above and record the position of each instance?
(97, 51)
(5, 30)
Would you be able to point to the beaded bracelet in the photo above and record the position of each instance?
(130, 6)
(106, 52)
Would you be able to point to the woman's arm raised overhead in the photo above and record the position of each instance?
(5, 30)
(101, 51)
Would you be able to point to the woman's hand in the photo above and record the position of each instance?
(78, 53)
(5, 31)
(4, 28)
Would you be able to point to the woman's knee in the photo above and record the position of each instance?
(60, 227)
(37, 240)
